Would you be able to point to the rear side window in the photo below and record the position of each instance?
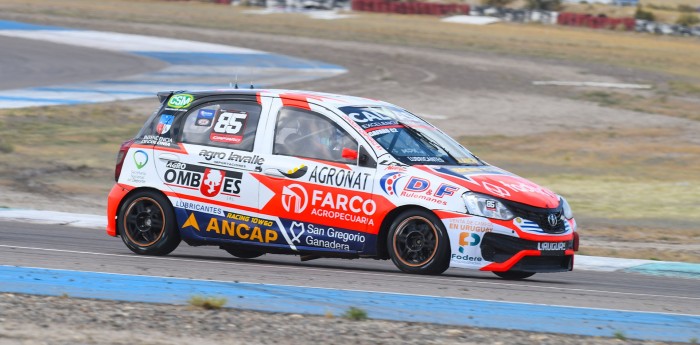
(228, 124)
(303, 133)
(150, 125)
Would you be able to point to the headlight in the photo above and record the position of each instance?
(568, 213)
(486, 206)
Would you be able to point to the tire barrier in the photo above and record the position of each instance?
(426, 8)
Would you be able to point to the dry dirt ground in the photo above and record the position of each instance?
(631, 175)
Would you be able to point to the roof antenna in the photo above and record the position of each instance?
(236, 85)
(251, 85)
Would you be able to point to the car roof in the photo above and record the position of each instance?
(293, 96)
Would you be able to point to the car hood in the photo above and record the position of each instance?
(497, 182)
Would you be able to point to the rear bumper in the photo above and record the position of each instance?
(113, 200)
(517, 254)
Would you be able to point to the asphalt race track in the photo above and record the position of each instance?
(135, 66)
(63, 247)
(84, 262)
(25, 63)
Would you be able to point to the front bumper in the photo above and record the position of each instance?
(502, 245)
(512, 253)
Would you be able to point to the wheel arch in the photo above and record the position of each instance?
(139, 190)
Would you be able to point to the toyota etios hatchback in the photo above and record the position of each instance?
(323, 175)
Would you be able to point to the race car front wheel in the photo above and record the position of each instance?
(417, 243)
(146, 223)
(514, 275)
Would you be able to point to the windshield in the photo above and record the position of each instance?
(408, 138)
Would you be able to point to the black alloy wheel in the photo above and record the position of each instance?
(146, 223)
(417, 243)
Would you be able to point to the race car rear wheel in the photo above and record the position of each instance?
(514, 275)
(243, 253)
(417, 243)
(146, 223)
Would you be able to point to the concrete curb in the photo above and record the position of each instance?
(379, 305)
(582, 262)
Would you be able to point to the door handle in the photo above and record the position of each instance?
(169, 157)
(273, 172)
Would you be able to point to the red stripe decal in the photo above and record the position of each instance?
(295, 102)
(178, 186)
(504, 266)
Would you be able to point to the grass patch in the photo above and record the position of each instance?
(670, 103)
(647, 154)
(617, 198)
(355, 314)
(601, 97)
(619, 335)
(624, 185)
(683, 88)
(6, 147)
(207, 302)
(66, 149)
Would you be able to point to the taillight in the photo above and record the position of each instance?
(120, 158)
(575, 241)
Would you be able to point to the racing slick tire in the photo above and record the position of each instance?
(417, 243)
(514, 275)
(146, 223)
(243, 253)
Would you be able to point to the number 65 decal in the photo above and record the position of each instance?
(228, 128)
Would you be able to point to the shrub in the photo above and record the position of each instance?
(546, 5)
(644, 15)
(686, 8)
(688, 19)
(6, 147)
(207, 302)
(496, 3)
(355, 314)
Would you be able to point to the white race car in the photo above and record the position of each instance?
(324, 175)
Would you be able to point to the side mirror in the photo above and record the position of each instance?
(349, 154)
(363, 158)
(366, 159)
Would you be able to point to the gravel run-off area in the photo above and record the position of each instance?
(26, 319)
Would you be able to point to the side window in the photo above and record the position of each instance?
(227, 124)
(306, 134)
